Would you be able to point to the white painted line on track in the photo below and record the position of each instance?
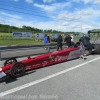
(43, 79)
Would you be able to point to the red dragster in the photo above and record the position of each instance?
(15, 69)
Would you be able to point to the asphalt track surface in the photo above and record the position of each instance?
(72, 80)
(5, 54)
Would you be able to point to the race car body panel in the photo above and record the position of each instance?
(2, 74)
(45, 59)
(52, 58)
(7, 68)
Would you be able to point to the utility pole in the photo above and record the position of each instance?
(81, 20)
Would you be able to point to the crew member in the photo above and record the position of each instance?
(86, 42)
(48, 37)
(59, 42)
(45, 40)
(67, 40)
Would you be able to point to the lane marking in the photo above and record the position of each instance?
(44, 79)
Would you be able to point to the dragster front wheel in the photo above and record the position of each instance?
(18, 69)
(10, 61)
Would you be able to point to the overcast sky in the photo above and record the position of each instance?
(62, 15)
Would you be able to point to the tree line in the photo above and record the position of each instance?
(9, 29)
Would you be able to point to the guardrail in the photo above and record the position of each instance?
(0, 55)
(25, 47)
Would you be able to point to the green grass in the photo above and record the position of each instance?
(19, 42)
(22, 41)
(5, 34)
(7, 39)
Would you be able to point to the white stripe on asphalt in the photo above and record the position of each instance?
(43, 79)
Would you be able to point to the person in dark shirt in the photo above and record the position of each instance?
(48, 37)
(59, 42)
(86, 42)
(67, 40)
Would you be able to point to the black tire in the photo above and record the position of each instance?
(10, 61)
(17, 70)
(97, 48)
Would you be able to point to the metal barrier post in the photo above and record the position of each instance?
(48, 49)
(0, 58)
(0, 55)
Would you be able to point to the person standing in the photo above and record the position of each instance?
(67, 40)
(86, 42)
(45, 39)
(59, 42)
(72, 37)
(48, 37)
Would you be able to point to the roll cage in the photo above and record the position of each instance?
(94, 35)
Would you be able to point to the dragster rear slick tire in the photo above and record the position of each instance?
(17, 70)
(97, 48)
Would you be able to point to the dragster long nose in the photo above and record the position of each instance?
(2, 74)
